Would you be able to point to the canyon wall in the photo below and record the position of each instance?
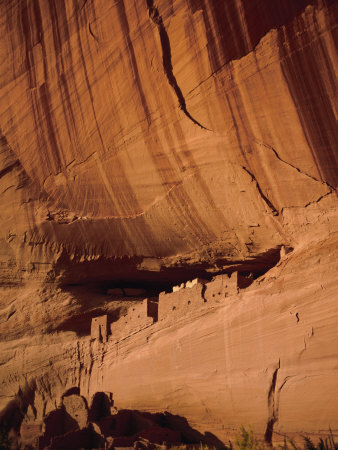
(145, 143)
(185, 132)
(266, 356)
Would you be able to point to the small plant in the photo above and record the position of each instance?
(308, 444)
(323, 444)
(286, 443)
(246, 440)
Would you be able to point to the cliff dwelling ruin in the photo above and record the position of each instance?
(168, 223)
(185, 299)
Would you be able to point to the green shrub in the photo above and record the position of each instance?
(326, 444)
(246, 440)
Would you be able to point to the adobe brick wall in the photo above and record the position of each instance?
(180, 302)
(138, 317)
(185, 299)
(221, 286)
(198, 293)
(99, 328)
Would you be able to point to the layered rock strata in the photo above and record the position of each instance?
(147, 143)
(248, 357)
(161, 134)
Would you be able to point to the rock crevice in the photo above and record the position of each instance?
(166, 59)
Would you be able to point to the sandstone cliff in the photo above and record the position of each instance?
(145, 143)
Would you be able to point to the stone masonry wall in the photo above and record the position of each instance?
(197, 293)
(185, 299)
(137, 318)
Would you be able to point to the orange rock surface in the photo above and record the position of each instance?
(146, 143)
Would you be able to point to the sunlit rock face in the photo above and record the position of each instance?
(145, 143)
(179, 130)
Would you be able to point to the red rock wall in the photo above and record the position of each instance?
(269, 353)
(102, 106)
(156, 142)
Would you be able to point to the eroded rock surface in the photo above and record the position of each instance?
(181, 131)
(147, 143)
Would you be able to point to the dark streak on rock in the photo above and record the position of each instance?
(308, 72)
(227, 37)
(84, 4)
(166, 59)
(10, 314)
(45, 103)
(266, 200)
(291, 165)
(237, 131)
(273, 408)
(273, 385)
(204, 288)
(91, 33)
(283, 384)
(60, 35)
(9, 168)
(78, 352)
(89, 89)
(11, 163)
(320, 198)
(126, 31)
(33, 35)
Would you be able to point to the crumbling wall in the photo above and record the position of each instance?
(180, 302)
(191, 296)
(99, 328)
(139, 316)
(184, 299)
(189, 284)
(222, 286)
(152, 309)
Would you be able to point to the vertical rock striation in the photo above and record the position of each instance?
(146, 143)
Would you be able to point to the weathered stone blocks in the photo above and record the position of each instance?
(99, 328)
(139, 316)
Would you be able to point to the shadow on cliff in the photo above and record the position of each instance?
(96, 276)
(14, 412)
(74, 425)
(129, 426)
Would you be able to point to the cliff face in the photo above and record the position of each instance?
(181, 130)
(150, 142)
